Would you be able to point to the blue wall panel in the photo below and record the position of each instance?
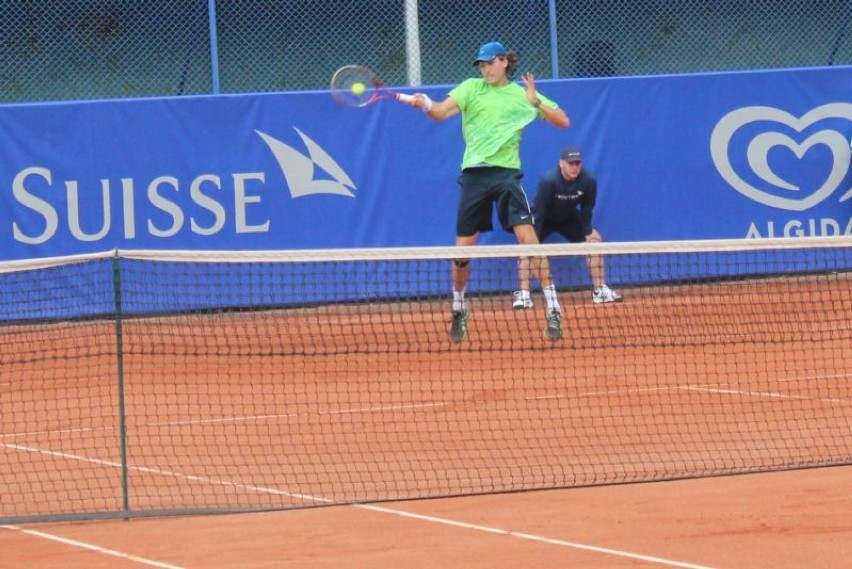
(756, 154)
(296, 170)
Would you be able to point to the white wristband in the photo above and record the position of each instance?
(427, 104)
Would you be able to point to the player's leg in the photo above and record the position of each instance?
(461, 272)
(474, 215)
(540, 267)
(595, 262)
(514, 212)
(537, 266)
(461, 276)
(521, 298)
(601, 293)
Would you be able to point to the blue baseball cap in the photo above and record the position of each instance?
(489, 51)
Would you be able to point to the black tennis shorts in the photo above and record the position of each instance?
(485, 186)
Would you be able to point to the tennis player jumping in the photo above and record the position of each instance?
(495, 110)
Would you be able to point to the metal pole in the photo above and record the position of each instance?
(214, 45)
(554, 42)
(119, 359)
(840, 33)
(412, 42)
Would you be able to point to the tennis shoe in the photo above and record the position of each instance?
(521, 302)
(553, 331)
(458, 326)
(605, 294)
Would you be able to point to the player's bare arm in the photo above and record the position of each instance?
(438, 110)
(556, 117)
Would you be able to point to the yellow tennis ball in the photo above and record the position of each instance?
(358, 88)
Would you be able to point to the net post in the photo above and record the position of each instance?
(119, 355)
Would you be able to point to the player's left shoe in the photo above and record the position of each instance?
(458, 325)
(553, 331)
(605, 294)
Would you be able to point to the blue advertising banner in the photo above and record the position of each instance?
(752, 154)
(711, 156)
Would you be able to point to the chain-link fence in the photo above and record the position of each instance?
(82, 49)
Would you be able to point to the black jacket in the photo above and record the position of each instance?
(559, 201)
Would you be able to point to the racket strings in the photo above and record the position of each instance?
(353, 85)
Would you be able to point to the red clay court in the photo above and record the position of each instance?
(356, 406)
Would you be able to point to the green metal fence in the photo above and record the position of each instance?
(85, 49)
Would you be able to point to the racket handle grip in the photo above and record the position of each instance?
(404, 98)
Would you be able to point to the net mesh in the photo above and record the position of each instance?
(155, 382)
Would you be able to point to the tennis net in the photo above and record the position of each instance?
(157, 382)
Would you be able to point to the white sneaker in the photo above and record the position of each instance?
(605, 294)
(520, 302)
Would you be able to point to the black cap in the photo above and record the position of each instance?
(571, 154)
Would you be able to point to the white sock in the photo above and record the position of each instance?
(550, 297)
(458, 300)
(525, 294)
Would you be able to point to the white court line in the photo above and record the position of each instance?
(454, 523)
(242, 418)
(721, 388)
(276, 491)
(234, 419)
(90, 547)
(764, 394)
(273, 416)
(532, 537)
(590, 394)
(239, 419)
(57, 432)
(167, 473)
(709, 387)
(587, 394)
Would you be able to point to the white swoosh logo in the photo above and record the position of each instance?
(758, 150)
(299, 169)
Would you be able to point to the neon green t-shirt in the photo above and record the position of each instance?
(492, 121)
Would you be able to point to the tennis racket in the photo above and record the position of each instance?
(357, 86)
